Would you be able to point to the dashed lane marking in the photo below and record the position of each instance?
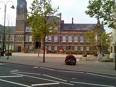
(100, 85)
(45, 84)
(15, 83)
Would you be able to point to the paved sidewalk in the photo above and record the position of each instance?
(57, 61)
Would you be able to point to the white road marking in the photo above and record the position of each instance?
(70, 71)
(35, 67)
(15, 70)
(15, 83)
(47, 68)
(62, 70)
(44, 84)
(54, 78)
(102, 75)
(46, 79)
(44, 75)
(11, 76)
(28, 73)
(1, 63)
(100, 85)
(80, 72)
(38, 78)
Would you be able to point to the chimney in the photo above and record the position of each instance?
(72, 20)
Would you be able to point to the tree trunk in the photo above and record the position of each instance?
(44, 50)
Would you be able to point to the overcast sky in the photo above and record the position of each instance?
(68, 8)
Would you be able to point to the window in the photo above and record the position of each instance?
(81, 39)
(75, 38)
(30, 38)
(11, 37)
(63, 38)
(55, 47)
(52, 48)
(49, 38)
(27, 38)
(55, 38)
(69, 38)
(81, 49)
(87, 48)
(111, 49)
(78, 48)
(75, 48)
(28, 29)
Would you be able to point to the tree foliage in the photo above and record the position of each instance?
(104, 10)
(39, 18)
(105, 40)
(90, 37)
(42, 20)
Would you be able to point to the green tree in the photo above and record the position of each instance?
(90, 37)
(42, 20)
(105, 41)
(104, 10)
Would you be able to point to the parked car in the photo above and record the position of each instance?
(70, 60)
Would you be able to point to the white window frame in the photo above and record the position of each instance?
(81, 39)
(75, 38)
(30, 38)
(69, 38)
(55, 38)
(63, 38)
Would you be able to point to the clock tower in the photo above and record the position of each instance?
(21, 19)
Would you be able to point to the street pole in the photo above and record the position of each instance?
(114, 31)
(4, 30)
(4, 37)
(115, 55)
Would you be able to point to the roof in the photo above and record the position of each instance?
(77, 27)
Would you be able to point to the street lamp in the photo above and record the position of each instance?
(4, 36)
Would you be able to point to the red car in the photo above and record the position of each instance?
(70, 60)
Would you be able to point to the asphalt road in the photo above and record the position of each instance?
(17, 75)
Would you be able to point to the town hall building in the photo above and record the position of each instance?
(70, 36)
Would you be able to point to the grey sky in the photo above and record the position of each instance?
(68, 8)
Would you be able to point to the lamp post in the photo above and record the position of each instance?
(114, 33)
(4, 31)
